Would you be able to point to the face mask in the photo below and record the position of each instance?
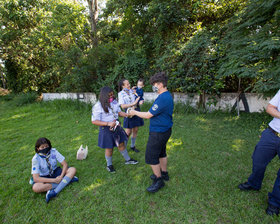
(125, 89)
(155, 89)
(139, 87)
(44, 151)
(111, 99)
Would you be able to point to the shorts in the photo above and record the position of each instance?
(55, 174)
(109, 139)
(156, 146)
(133, 122)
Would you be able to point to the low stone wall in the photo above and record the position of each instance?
(84, 97)
(249, 102)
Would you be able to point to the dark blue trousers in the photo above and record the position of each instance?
(266, 149)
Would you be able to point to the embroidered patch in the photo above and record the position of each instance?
(155, 107)
(53, 156)
(64, 181)
(34, 168)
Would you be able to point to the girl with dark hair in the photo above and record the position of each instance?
(46, 175)
(105, 114)
(127, 99)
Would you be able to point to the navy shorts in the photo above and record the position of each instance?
(133, 122)
(156, 146)
(57, 172)
(109, 139)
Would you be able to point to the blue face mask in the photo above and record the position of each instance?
(125, 89)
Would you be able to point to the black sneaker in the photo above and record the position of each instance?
(134, 149)
(272, 210)
(158, 183)
(131, 161)
(164, 176)
(246, 187)
(111, 169)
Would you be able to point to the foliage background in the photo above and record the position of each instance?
(205, 46)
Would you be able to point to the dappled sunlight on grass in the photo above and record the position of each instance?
(173, 143)
(77, 138)
(201, 119)
(204, 124)
(237, 144)
(24, 147)
(16, 116)
(93, 186)
(234, 118)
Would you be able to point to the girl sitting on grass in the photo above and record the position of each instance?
(105, 114)
(46, 175)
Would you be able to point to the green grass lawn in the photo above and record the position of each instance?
(209, 155)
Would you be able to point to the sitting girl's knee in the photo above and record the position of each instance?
(36, 188)
(72, 170)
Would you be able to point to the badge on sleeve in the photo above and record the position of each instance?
(155, 107)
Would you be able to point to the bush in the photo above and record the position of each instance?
(25, 98)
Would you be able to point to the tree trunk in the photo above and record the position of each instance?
(2, 77)
(93, 14)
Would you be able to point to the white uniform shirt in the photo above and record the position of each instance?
(126, 98)
(98, 112)
(275, 123)
(40, 165)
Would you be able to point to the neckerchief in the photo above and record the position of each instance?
(47, 157)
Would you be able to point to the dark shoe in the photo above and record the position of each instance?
(158, 183)
(111, 169)
(50, 194)
(272, 210)
(164, 176)
(131, 161)
(246, 187)
(74, 179)
(134, 149)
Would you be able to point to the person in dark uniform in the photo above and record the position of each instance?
(127, 100)
(105, 114)
(160, 115)
(266, 149)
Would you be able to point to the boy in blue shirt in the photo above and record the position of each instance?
(160, 115)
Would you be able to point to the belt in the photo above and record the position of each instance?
(275, 132)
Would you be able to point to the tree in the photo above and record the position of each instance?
(252, 47)
(93, 14)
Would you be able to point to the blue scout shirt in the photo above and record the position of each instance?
(275, 123)
(40, 165)
(162, 110)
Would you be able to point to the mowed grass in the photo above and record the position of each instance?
(208, 155)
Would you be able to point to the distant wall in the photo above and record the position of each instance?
(84, 97)
(249, 102)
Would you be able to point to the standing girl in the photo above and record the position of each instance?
(105, 114)
(46, 175)
(127, 99)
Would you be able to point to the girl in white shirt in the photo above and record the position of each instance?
(105, 114)
(46, 175)
(128, 99)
